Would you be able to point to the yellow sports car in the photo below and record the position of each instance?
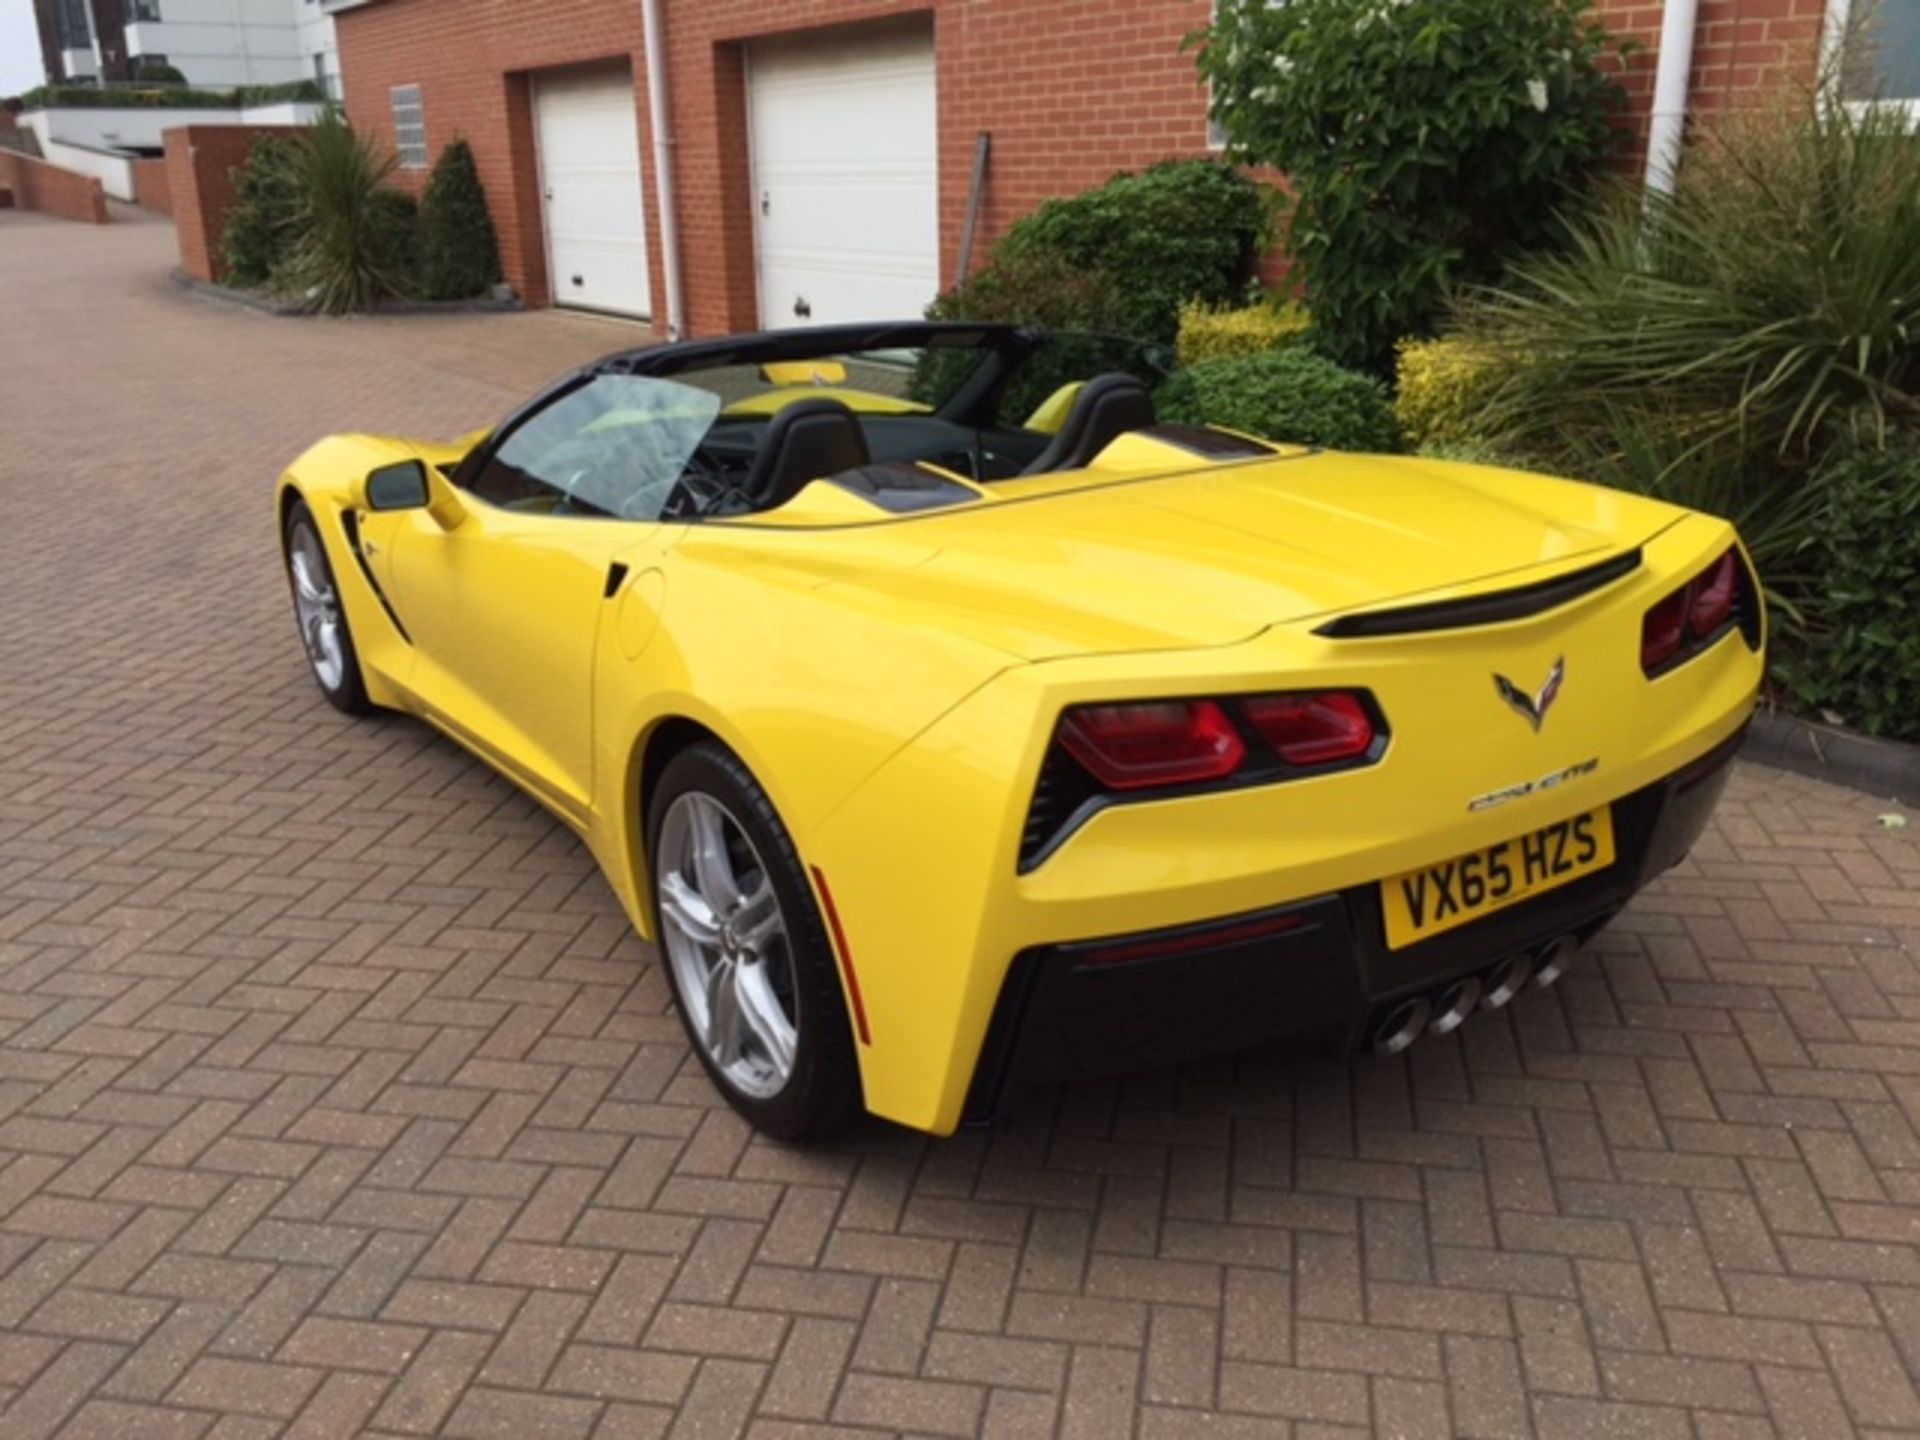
(951, 725)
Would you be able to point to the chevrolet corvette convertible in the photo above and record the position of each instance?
(951, 724)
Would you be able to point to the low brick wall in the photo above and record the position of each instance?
(200, 164)
(150, 188)
(36, 185)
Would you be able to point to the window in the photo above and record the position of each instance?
(409, 127)
(76, 31)
(618, 445)
(1878, 49)
(141, 10)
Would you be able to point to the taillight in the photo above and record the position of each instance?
(1155, 744)
(1664, 631)
(1138, 750)
(1713, 596)
(1313, 729)
(1693, 616)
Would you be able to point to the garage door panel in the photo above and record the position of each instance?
(845, 157)
(587, 128)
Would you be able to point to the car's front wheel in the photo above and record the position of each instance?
(323, 620)
(749, 960)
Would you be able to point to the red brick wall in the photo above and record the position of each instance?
(36, 185)
(150, 190)
(1071, 90)
(200, 163)
(1745, 52)
(471, 60)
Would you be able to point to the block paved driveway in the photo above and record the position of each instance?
(337, 1098)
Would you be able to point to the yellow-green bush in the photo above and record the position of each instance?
(1444, 388)
(1210, 334)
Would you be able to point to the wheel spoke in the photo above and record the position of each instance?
(712, 867)
(758, 919)
(307, 578)
(724, 1031)
(684, 908)
(759, 1008)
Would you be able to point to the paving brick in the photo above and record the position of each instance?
(337, 1096)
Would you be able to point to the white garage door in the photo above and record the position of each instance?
(846, 189)
(587, 128)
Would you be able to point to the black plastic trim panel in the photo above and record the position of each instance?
(1515, 604)
(1069, 1011)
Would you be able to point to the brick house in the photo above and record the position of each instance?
(823, 152)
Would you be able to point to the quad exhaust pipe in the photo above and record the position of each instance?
(1450, 1007)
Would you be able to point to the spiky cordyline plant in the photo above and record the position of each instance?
(352, 229)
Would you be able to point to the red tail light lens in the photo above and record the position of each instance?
(1683, 623)
(1664, 631)
(1713, 595)
(1313, 729)
(1157, 743)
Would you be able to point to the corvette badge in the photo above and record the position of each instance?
(1535, 706)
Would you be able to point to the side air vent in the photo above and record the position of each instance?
(1515, 604)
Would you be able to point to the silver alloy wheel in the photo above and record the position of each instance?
(317, 607)
(726, 938)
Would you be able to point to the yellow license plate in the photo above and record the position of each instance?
(1435, 898)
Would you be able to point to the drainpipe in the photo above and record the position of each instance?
(663, 166)
(1669, 120)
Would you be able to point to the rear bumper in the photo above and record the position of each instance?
(1315, 972)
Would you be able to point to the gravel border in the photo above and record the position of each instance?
(1886, 768)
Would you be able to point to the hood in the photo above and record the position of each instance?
(1215, 556)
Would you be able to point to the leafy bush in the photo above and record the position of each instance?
(1444, 389)
(1714, 347)
(1290, 394)
(171, 97)
(1862, 659)
(260, 227)
(158, 72)
(353, 239)
(459, 253)
(1425, 141)
(1207, 333)
(1126, 256)
(1778, 292)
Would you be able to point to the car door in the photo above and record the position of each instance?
(504, 603)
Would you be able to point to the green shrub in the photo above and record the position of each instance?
(171, 97)
(1779, 289)
(1293, 395)
(260, 227)
(1207, 333)
(1425, 142)
(1126, 256)
(459, 253)
(158, 72)
(1715, 347)
(353, 234)
(1862, 658)
(1444, 389)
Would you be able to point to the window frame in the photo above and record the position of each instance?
(1835, 31)
(415, 154)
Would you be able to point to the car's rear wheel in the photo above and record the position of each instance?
(322, 619)
(749, 960)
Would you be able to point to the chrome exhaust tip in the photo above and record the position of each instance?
(1506, 980)
(1555, 960)
(1456, 1003)
(1401, 1027)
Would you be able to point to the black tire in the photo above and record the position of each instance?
(822, 1093)
(347, 692)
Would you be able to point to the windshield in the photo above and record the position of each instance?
(692, 443)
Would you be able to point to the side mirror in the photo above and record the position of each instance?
(395, 487)
(410, 485)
